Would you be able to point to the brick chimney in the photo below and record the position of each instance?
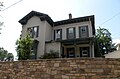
(70, 16)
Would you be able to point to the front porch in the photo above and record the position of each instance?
(77, 48)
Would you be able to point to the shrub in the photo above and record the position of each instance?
(51, 55)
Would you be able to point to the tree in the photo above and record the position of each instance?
(1, 5)
(103, 42)
(10, 57)
(24, 48)
(5, 56)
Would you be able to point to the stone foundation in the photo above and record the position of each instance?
(77, 68)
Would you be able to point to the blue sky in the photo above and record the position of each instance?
(58, 10)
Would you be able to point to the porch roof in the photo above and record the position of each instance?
(78, 40)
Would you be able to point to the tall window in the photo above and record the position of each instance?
(83, 31)
(58, 34)
(33, 31)
(71, 33)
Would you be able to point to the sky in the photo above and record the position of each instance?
(107, 15)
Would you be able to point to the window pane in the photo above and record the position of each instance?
(83, 31)
(33, 31)
(70, 33)
(58, 34)
(70, 30)
(30, 31)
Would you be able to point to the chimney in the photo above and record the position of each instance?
(70, 16)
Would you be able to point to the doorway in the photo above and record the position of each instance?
(84, 52)
(71, 52)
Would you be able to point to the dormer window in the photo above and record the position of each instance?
(58, 34)
(33, 31)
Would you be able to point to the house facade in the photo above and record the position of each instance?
(71, 38)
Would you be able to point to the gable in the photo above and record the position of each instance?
(42, 16)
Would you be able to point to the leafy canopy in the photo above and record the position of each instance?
(5, 56)
(103, 42)
(24, 48)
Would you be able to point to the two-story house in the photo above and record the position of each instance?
(72, 37)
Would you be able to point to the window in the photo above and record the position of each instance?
(58, 34)
(84, 53)
(33, 31)
(71, 33)
(71, 52)
(83, 31)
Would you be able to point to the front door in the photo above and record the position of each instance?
(84, 52)
(70, 52)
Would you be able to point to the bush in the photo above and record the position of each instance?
(53, 54)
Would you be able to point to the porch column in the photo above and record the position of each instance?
(93, 50)
(90, 50)
(75, 47)
(62, 51)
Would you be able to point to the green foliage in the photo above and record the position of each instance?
(5, 56)
(24, 48)
(103, 42)
(51, 55)
(10, 57)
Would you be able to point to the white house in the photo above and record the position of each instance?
(72, 37)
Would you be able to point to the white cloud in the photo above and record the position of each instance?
(116, 41)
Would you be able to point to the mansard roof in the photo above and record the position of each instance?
(43, 17)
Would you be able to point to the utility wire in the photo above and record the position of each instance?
(110, 18)
(11, 5)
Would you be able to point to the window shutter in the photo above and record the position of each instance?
(74, 31)
(61, 34)
(37, 31)
(32, 29)
(54, 35)
(87, 31)
(67, 33)
(79, 31)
